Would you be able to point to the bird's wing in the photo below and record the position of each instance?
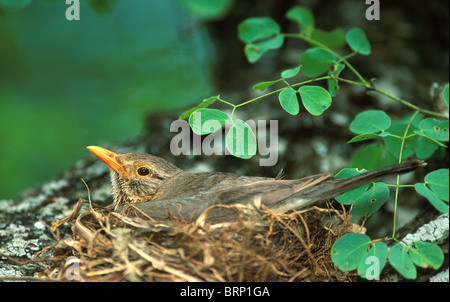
(280, 195)
(189, 207)
(268, 192)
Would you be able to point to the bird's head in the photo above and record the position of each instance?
(135, 177)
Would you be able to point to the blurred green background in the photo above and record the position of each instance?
(66, 84)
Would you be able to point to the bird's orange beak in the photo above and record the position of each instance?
(109, 158)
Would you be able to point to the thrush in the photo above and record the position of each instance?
(160, 189)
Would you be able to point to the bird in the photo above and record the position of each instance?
(150, 185)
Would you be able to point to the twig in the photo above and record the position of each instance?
(72, 216)
(35, 260)
(307, 247)
(370, 86)
(306, 229)
(162, 266)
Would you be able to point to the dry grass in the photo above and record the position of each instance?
(269, 247)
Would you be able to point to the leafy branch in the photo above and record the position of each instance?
(422, 134)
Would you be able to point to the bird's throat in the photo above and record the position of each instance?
(127, 192)
(121, 198)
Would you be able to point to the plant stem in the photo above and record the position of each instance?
(270, 93)
(362, 82)
(395, 136)
(344, 58)
(229, 104)
(408, 104)
(324, 47)
(370, 86)
(405, 134)
(260, 97)
(225, 102)
(279, 90)
(400, 186)
(379, 239)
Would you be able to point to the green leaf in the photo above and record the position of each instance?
(436, 129)
(438, 183)
(254, 51)
(205, 120)
(425, 147)
(208, 10)
(205, 103)
(256, 29)
(435, 201)
(370, 121)
(260, 35)
(371, 200)
(401, 261)
(289, 73)
(362, 137)
(445, 94)
(393, 144)
(315, 99)
(288, 100)
(353, 195)
(372, 156)
(240, 140)
(303, 17)
(373, 261)
(263, 85)
(430, 139)
(426, 254)
(316, 61)
(349, 172)
(333, 85)
(367, 199)
(357, 40)
(348, 251)
(332, 39)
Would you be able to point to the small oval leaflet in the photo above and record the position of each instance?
(288, 100)
(206, 120)
(401, 261)
(315, 99)
(240, 140)
(348, 250)
(370, 121)
(357, 40)
(316, 61)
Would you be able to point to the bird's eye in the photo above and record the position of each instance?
(143, 171)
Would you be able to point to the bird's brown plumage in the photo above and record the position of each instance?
(167, 189)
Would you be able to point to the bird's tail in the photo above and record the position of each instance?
(351, 183)
(332, 187)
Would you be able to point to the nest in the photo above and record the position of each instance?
(108, 246)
